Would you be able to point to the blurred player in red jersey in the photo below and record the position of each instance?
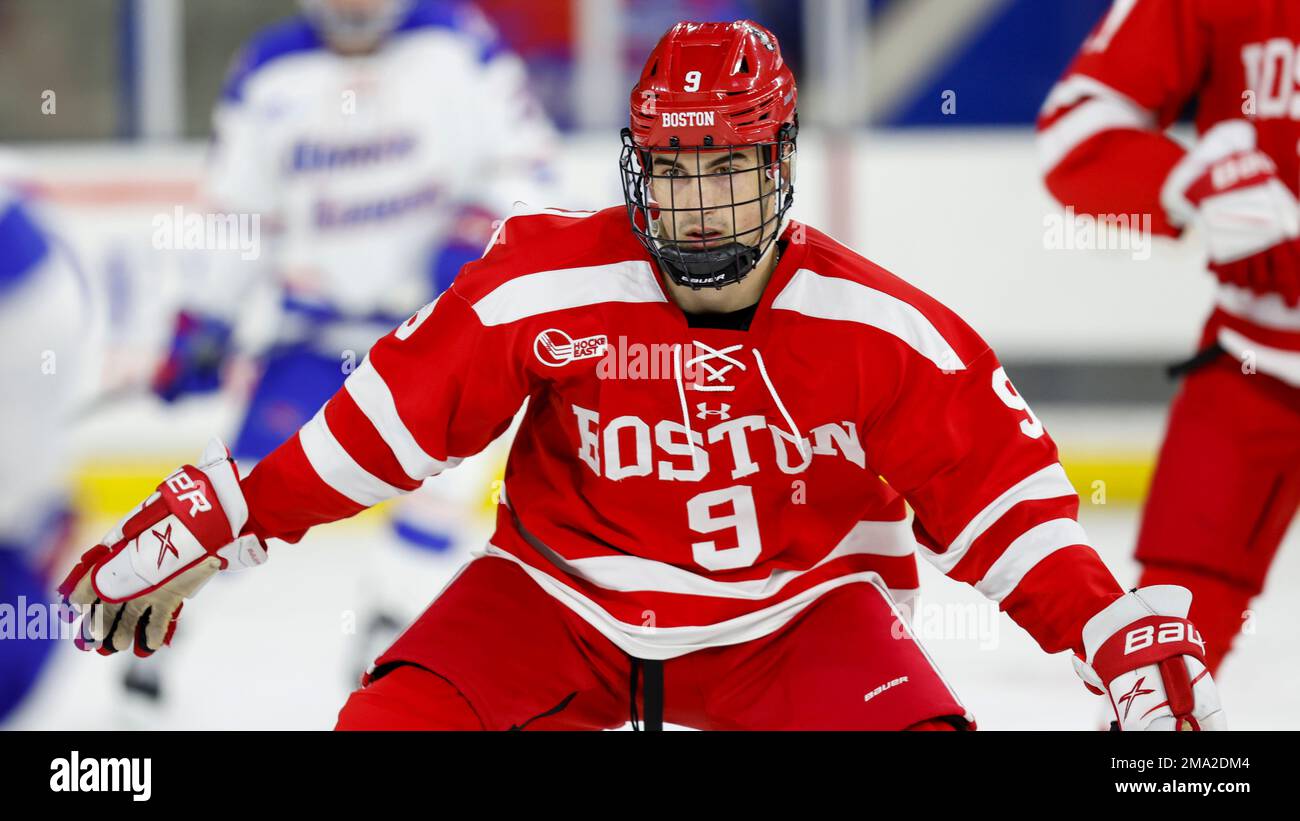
(694, 527)
(1228, 480)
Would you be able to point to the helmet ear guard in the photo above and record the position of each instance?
(783, 152)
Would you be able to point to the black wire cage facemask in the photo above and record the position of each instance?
(711, 260)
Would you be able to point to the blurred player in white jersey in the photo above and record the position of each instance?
(42, 322)
(376, 141)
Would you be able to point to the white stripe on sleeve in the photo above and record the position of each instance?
(546, 291)
(375, 400)
(339, 470)
(1031, 547)
(1048, 483)
(827, 297)
(1108, 109)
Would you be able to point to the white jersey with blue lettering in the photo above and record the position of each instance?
(362, 165)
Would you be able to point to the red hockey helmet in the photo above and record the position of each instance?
(707, 90)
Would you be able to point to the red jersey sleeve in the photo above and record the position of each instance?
(1101, 134)
(993, 506)
(437, 389)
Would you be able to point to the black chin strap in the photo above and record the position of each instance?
(716, 267)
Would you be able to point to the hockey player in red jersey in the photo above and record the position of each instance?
(694, 526)
(1227, 484)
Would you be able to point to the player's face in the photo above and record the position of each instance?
(357, 25)
(358, 10)
(709, 199)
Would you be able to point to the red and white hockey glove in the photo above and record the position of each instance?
(1251, 220)
(1150, 660)
(130, 587)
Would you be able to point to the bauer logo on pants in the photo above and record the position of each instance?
(555, 348)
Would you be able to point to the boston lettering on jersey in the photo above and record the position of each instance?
(622, 448)
(1271, 79)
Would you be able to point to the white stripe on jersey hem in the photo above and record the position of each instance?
(633, 574)
(339, 470)
(1108, 110)
(650, 642)
(1031, 547)
(1268, 310)
(812, 294)
(1275, 362)
(1047, 483)
(547, 291)
(371, 393)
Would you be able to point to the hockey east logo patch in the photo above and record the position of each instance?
(555, 348)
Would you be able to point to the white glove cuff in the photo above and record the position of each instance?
(1222, 141)
(1156, 600)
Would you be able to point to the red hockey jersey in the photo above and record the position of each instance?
(682, 488)
(1102, 140)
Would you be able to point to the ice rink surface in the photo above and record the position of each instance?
(274, 648)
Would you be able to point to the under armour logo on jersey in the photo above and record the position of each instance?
(1132, 695)
(165, 545)
(723, 411)
(555, 348)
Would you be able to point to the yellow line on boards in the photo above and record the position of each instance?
(111, 487)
